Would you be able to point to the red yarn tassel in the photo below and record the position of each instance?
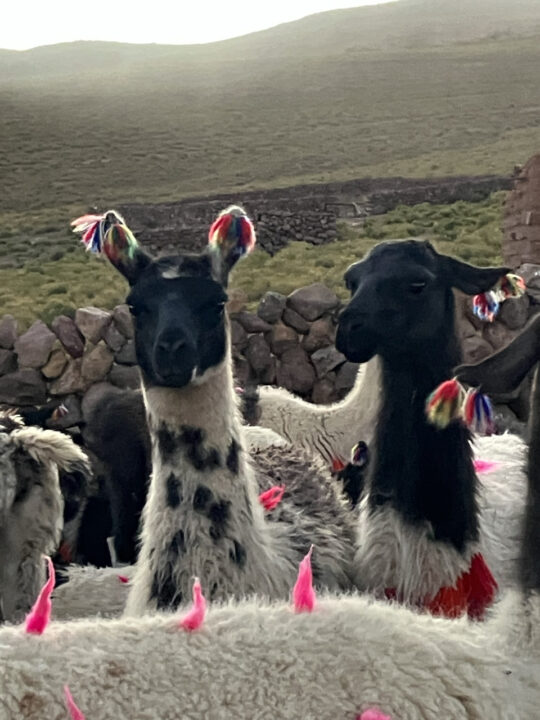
(270, 499)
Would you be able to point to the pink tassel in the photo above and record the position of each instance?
(303, 592)
(74, 712)
(485, 466)
(270, 499)
(123, 579)
(39, 616)
(373, 714)
(195, 617)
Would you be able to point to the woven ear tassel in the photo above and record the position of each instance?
(478, 413)
(513, 286)
(445, 402)
(106, 234)
(487, 305)
(232, 232)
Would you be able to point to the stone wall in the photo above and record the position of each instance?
(303, 212)
(288, 342)
(521, 222)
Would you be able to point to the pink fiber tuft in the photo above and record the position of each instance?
(303, 592)
(123, 579)
(74, 712)
(195, 617)
(270, 499)
(39, 616)
(373, 714)
(485, 466)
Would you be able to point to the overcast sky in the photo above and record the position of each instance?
(28, 23)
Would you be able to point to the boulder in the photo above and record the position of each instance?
(114, 338)
(531, 274)
(71, 380)
(346, 377)
(313, 301)
(295, 372)
(125, 376)
(8, 361)
(258, 354)
(281, 338)
(321, 334)
(127, 356)
(23, 387)
(514, 312)
(271, 307)
(123, 320)
(498, 335)
(241, 370)
(293, 319)
(67, 332)
(97, 362)
(252, 323)
(324, 391)
(34, 346)
(93, 323)
(8, 332)
(239, 336)
(56, 363)
(475, 348)
(326, 359)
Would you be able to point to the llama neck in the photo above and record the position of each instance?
(424, 473)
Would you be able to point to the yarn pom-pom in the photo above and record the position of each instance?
(486, 305)
(123, 579)
(303, 592)
(485, 466)
(40, 614)
(373, 714)
(195, 617)
(107, 234)
(478, 413)
(444, 404)
(512, 286)
(270, 499)
(232, 232)
(74, 712)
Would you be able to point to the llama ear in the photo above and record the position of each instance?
(109, 235)
(470, 279)
(231, 236)
(504, 371)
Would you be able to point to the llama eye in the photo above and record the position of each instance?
(417, 287)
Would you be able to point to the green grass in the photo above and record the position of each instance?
(46, 288)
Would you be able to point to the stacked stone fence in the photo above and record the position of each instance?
(288, 342)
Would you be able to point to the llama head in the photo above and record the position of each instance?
(402, 302)
(178, 301)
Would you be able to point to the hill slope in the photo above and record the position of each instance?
(416, 87)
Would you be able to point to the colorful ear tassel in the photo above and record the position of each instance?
(450, 402)
(232, 232)
(106, 234)
(487, 305)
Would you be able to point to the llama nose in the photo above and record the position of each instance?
(171, 346)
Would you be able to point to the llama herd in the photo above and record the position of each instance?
(427, 588)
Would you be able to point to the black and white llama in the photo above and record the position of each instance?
(418, 537)
(203, 516)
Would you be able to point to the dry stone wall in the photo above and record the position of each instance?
(522, 216)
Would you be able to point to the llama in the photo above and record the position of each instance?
(418, 535)
(202, 516)
(31, 506)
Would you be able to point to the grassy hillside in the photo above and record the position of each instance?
(45, 288)
(416, 87)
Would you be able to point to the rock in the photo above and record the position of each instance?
(123, 320)
(239, 336)
(281, 338)
(23, 387)
(8, 361)
(56, 363)
(498, 335)
(73, 415)
(97, 363)
(531, 274)
(324, 392)
(271, 307)
(465, 328)
(67, 332)
(514, 312)
(114, 338)
(34, 346)
(127, 355)
(93, 323)
(71, 380)
(313, 301)
(258, 354)
(321, 334)
(237, 300)
(241, 371)
(346, 376)
(252, 323)
(125, 376)
(296, 321)
(295, 372)
(8, 332)
(327, 359)
(475, 349)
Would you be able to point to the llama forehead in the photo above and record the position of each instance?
(182, 277)
(398, 258)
